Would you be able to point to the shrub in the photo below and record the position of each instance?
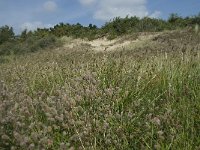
(30, 44)
(6, 34)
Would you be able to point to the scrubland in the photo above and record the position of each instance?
(145, 95)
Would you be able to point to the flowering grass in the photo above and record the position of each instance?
(130, 99)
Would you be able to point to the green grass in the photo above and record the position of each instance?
(86, 100)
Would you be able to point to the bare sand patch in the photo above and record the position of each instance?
(104, 44)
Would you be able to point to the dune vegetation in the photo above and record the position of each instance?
(143, 95)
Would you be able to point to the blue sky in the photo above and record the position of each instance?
(31, 14)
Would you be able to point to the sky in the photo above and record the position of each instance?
(31, 14)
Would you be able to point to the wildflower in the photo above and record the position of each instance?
(63, 146)
(32, 146)
(26, 140)
(31, 125)
(48, 115)
(51, 119)
(5, 137)
(49, 142)
(65, 126)
(126, 93)
(80, 109)
(49, 129)
(72, 102)
(34, 136)
(44, 140)
(108, 141)
(160, 133)
(79, 122)
(17, 135)
(149, 116)
(54, 111)
(13, 148)
(78, 98)
(56, 127)
(157, 146)
(19, 124)
(156, 121)
(109, 92)
(59, 118)
(74, 137)
(64, 133)
(71, 148)
(106, 125)
(87, 92)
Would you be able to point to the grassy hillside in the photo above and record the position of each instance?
(44, 38)
(143, 96)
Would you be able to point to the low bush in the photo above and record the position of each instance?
(30, 44)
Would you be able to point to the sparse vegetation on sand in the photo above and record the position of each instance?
(143, 96)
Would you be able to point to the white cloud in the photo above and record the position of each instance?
(114, 8)
(87, 2)
(31, 26)
(156, 14)
(50, 6)
(108, 9)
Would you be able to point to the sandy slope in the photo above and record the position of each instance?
(104, 44)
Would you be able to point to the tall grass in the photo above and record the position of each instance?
(86, 100)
